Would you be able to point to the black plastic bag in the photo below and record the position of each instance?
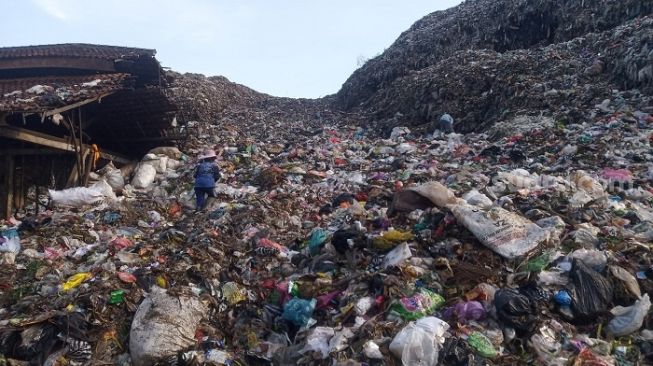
(515, 310)
(591, 293)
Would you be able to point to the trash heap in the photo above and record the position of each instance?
(527, 244)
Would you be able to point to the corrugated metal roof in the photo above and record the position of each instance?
(74, 50)
(44, 93)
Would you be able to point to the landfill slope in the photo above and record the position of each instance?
(462, 53)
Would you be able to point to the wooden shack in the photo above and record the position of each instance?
(67, 109)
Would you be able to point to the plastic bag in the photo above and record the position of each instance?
(397, 255)
(318, 341)
(506, 233)
(76, 280)
(515, 309)
(163, 325)
(115, 180)
(629, 319)
(419, 343)
(595, 259)
(371, 350)
(9, 240)
(144, 176)
(316, 242)
(299, 311)
(627, 280)
(477, 198)
(590, 292)
(422, 303)
(481, 344)
(391, 238)
(469, 310)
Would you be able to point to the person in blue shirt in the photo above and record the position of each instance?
(206, 175)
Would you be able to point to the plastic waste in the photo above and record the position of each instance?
(76, 280)
(480, 344)
(419, 342)
(591, 293)
(515, 309)
(126, 277)
(371, 350)
(317, 240)
(163, 325)
(233, 293)
(469, 310)
(299, 311)
(318, 341)
(143, 176)
(562, 298)
(117, 297)
(627, 280)
(397, 255)
(9, 240)
(422, 303)
(629, 319)
(390, 238)
(506, 233)
(477, 198)
(83, 196)
(596, 259)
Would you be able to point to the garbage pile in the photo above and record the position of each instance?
(490, 60)
(527, 244)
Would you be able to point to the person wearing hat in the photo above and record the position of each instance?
(206, 174)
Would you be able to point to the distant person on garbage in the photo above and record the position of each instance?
(446, 123)
(206, 175)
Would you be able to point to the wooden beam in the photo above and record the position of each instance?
(74, 105)
(8, 199)
(33, 151)
(22, 134)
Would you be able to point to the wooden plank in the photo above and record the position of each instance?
(42, 139)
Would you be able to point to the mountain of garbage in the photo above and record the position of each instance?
(347, 231)
(487, 60)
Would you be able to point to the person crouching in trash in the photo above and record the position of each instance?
(206, 175)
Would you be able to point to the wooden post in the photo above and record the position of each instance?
(8, 199)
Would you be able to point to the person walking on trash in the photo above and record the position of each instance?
(206, 175)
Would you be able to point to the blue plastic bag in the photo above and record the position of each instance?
(299, 311)
(318, 237)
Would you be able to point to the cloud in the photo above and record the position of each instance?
(54, 8)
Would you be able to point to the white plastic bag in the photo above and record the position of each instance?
(477, 198)
(629, 319)
(397, 255)
(144, 176)
(115, 180)
(163, 325)
(318, 341)
(160, 164)
(10, 245)
(418, 343)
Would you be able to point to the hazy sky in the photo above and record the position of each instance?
(296, 48)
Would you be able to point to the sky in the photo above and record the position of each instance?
(291, 48)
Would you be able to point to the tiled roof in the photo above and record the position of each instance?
(74, 50)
